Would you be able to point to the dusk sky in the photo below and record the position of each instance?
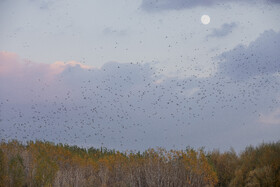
(136, 74)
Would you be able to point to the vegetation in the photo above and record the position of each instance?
(46, 164)
(254, 167)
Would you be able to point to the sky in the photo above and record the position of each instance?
(133, 75)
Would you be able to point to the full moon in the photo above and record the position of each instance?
(205, 19)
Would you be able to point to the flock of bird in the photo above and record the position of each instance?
(128, 105)
(134, 105)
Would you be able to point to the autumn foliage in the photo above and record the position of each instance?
(46, 164)
(254, 167)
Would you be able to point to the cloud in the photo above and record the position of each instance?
(260, 58)
(225, 30)
(12, 65)
(156, 5)
(59, 66)
(19, 76)
(159, 5)
(272, 118)
(8, 62)
(125, 105)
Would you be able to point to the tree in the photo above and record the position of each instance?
(16, 171)
(224, 164)
(2, 168)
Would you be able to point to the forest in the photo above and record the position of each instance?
(47, 164)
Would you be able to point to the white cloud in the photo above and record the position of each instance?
(272, 118)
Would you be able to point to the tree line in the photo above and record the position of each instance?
(47, 164)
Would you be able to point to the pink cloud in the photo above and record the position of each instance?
(12, 66)
(8, 62)
(22, 80)
(60, 66)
